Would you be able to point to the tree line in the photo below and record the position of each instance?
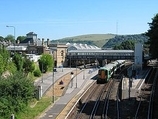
(16, 82)
(152, 33)
(10, 38)
(118, 39)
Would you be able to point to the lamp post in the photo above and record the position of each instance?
(53, 87)
(14, 35)
(42, 72)
(76, 74)
(72, 75)
(62, 62)
(62, 65)
(70, 61)
(84, 69)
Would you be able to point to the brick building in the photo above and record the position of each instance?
(33, 45)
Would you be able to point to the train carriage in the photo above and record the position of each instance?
(106, 72)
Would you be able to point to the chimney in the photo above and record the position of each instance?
(47, 42)
(42, 41)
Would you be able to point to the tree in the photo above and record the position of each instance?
(21, 38)
(45, 62)
(18, 60)
(15, 93)
(4, 59)
(1, 65)
(152, 33)
(9, 38)
(28, 65)
(126, 45)
(1, 38)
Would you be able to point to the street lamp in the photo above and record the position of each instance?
(84, 69)
(76, 74)
(62, 65)
(53, 87)
(14, 35)
(62, 54)
(70, 61)
(72, 75)
(42, 72)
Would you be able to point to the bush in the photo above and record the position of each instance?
(45, 63)
(16, 91)
(37, 73)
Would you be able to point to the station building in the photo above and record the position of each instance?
(33, 46)
(67, 54)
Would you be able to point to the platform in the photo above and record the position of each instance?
(131, 86)
(46, 80)
(73, 89)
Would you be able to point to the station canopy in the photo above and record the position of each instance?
(79, 46)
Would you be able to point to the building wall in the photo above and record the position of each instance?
(138, 55)
(61, 56)
(59, 53)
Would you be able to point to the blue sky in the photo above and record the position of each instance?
(56, 19)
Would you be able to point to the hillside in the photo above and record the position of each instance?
(90, 39)
(117, 40)
(102, 40)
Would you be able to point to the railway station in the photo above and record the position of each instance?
(69, 58)
(132, 86)
(68, 54)
(80, 82)
(101, 57)
(62, 107)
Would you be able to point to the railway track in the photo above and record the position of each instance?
(99, 110)
(103, 102)
(113, 107)
(145, 106)
(88, 107)
(99, 104)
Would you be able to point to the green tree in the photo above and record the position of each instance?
(1, 65)
(16, 91)
(152, 33)
(9, 38)
(46, 62)
(21, 38)
(11, 67)
(37, 73)
(18, 60)
(126, 45)
(28, 65)
(4, 59)
(1, 38)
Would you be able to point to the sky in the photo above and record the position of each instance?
(55, 19)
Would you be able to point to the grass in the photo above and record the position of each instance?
(35, 108)
(92, 37)
(98, 39)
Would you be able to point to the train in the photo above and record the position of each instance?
(107, 71)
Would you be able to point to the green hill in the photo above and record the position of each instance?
(117, 40)
(102, 40)
(90, 39)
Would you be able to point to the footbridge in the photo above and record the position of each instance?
(99, 56)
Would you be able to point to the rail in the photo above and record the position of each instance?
(152, 77)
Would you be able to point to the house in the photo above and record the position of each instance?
(33, 45)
